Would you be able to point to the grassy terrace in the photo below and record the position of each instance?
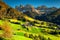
(19, 31)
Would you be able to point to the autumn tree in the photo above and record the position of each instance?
(7, 30)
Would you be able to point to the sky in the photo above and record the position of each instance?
(35, 3)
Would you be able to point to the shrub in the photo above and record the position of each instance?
(15, 22)
(35, 22)
(39, 36)
(36, 38)
(18, 18)
(49, 39)
(8, 10)
(42, 23)
(31, 36)
(59, 32)
(24, 26)
(27, 29)
(42, 37)
(0, 7)
(1, 38)
(32, 23)
(26, 35)
(54, 32)
(18, 29)
(23, 19)
(0, 28)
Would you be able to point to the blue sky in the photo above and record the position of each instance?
(48, 3)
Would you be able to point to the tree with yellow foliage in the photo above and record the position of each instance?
(7, 31)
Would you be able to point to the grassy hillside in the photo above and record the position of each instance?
(21, 31)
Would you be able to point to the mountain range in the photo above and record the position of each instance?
(42, 13)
